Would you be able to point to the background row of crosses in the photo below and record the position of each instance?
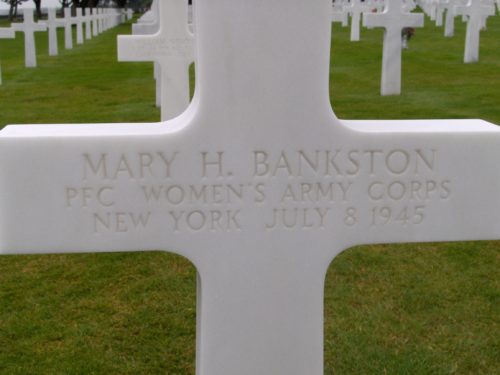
(96, 21)
(172, 81)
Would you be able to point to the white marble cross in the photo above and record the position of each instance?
(100, 20)
(69, 21)
(79, 20)
(339, 14)
(6, 33)
(95, 22)
(172, 48)
(52, 24)
(476, 11)
(441, 6)
(258, 184)
(151, 28)
(356, 8)
(88, 23)
(449, 23)
(394, 19)
(130, 14)
(29, 27)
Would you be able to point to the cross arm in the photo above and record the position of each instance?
(398, 21)
(7, 32)
(145, 28)
(81, 182)
(138, 48)
(436, 181)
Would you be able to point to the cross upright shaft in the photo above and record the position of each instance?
(393, 19)
(257, 183)
(171, 47)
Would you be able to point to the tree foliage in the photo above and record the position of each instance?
(13, 4)
(38, 8)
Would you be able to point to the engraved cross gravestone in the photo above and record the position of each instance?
(172, 48)
(6, 33)
(257, 183)
(29, 27)
(393, 19)
(476, 11)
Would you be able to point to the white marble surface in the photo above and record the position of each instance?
(172, 48)
(29, 27)
(393, 19)
(257, 183)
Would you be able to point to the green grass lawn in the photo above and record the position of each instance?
(399, 309)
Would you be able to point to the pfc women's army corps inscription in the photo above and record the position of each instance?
(292, 190)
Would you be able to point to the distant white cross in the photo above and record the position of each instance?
(441, 6)
(79, 20)
(100, 20)
(339, 14)
(476, 11)
(394, 20)
(150, 28)
(6, 33)
(355, 9)
(88, 23)
(172, 48)
(53, 23)
(69, 21)
(449, 23)
(29, 27)
(95, 22)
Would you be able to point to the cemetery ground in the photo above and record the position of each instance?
(398, 309)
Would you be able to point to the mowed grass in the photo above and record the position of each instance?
(399, 309)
